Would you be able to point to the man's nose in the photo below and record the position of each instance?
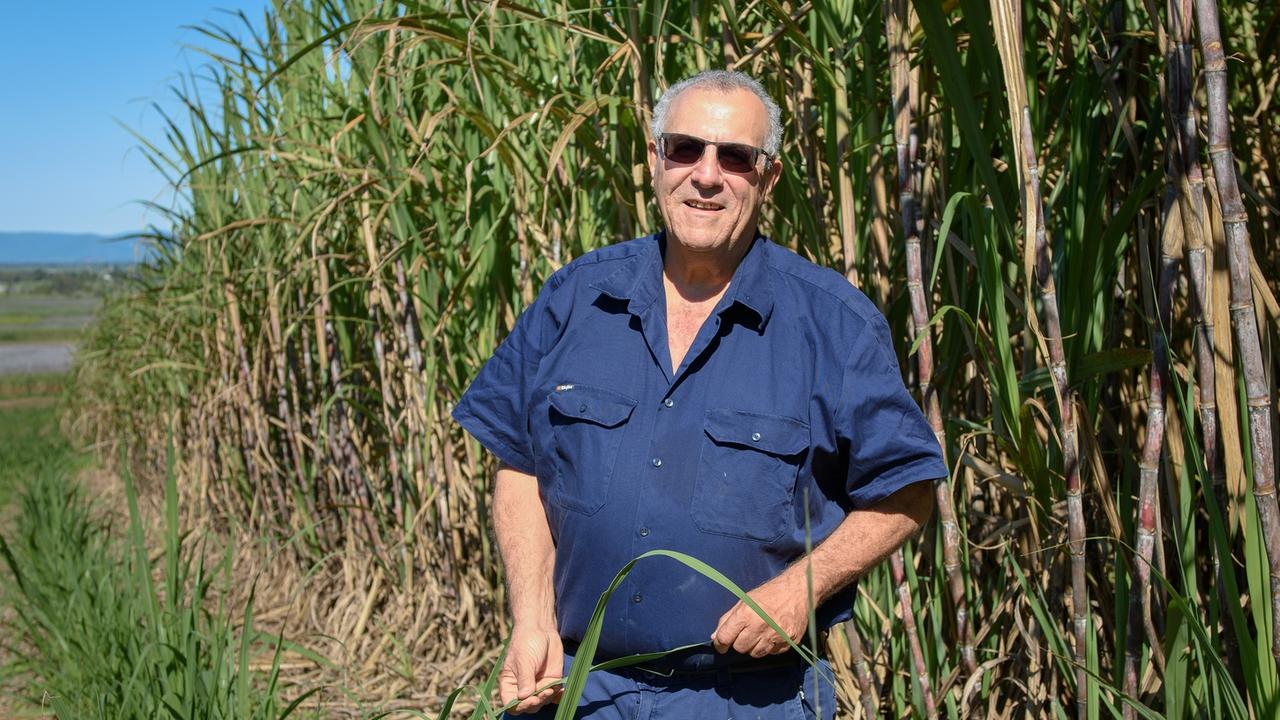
(706, 173)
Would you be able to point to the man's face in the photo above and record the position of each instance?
(706, 208)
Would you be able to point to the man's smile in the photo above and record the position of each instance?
(703, 205)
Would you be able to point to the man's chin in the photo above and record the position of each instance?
(703, 249)
(701, 241)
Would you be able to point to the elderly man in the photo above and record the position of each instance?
(707, 391)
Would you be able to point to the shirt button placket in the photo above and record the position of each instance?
(642, 531)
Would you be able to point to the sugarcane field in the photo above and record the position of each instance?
(366, 359)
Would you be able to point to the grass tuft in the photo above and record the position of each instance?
(87, 632)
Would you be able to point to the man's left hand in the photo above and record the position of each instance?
(784, 598)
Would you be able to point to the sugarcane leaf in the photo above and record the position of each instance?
(1100, 364)
(944, 232)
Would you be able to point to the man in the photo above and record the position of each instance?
(706, 391)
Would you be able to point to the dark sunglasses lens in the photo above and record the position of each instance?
(735, 158)
(684, 150)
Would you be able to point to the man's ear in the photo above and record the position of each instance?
(653, 160)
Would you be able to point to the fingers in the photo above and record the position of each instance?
(553, 663)
(728, 628)
(534, 662)
(750, 629)
(524, 676)
(533, 703)
(746, 632)
(749, 638)
(537, 700)
(763, 647)
(507, 688)
(553, 670)
(516, 681)
(740, 629)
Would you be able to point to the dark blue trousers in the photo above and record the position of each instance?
(788, 693)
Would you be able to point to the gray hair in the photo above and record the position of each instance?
(723, 81)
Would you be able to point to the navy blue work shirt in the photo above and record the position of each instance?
(788, 407)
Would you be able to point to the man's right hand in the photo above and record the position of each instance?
(535, 657)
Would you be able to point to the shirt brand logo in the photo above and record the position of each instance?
(562, 388)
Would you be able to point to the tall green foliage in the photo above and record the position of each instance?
(88, 631)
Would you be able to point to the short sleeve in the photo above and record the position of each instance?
(494, 409)
(890, 444)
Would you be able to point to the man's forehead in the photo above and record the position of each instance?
(734, 111)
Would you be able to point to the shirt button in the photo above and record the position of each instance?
(668, 402)
(755, 437)
(644, 532)
(582, 408)
(636, 598)
(657, 462)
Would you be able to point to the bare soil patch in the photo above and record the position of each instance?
(27, 402)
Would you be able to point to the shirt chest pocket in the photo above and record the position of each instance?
(747, 474)
(587, 425)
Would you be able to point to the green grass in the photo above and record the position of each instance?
(14, 318)
(29, 437)
(28, 443)
(26, 386)
(28, 317)
(28, 440)
(30, 334)
(83, 626)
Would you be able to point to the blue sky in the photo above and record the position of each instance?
(72, 72)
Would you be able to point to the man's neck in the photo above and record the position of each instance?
(701, 276)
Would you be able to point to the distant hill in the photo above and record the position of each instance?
(51, 248)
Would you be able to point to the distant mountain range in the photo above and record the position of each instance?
(52, 248)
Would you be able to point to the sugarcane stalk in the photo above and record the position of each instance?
(1006, 19)
(340, 438)
(325, 482)
(897, 568)
(248, 396)
(380, 306)
(844, 178)
(861, 671)
(1243, 319)
(880, 232)
(1067, 427)
(1180, 107)
(896, 29)
(1191, 206)
(1152, 448)
(291, 440)
(414, 393)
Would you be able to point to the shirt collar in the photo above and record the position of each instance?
(751, 286)
(638, 280)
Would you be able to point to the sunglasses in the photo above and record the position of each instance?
(687, 150)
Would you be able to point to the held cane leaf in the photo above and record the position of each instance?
(582, 662)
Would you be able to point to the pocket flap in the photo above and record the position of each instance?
(774, 434)
(593, 404)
